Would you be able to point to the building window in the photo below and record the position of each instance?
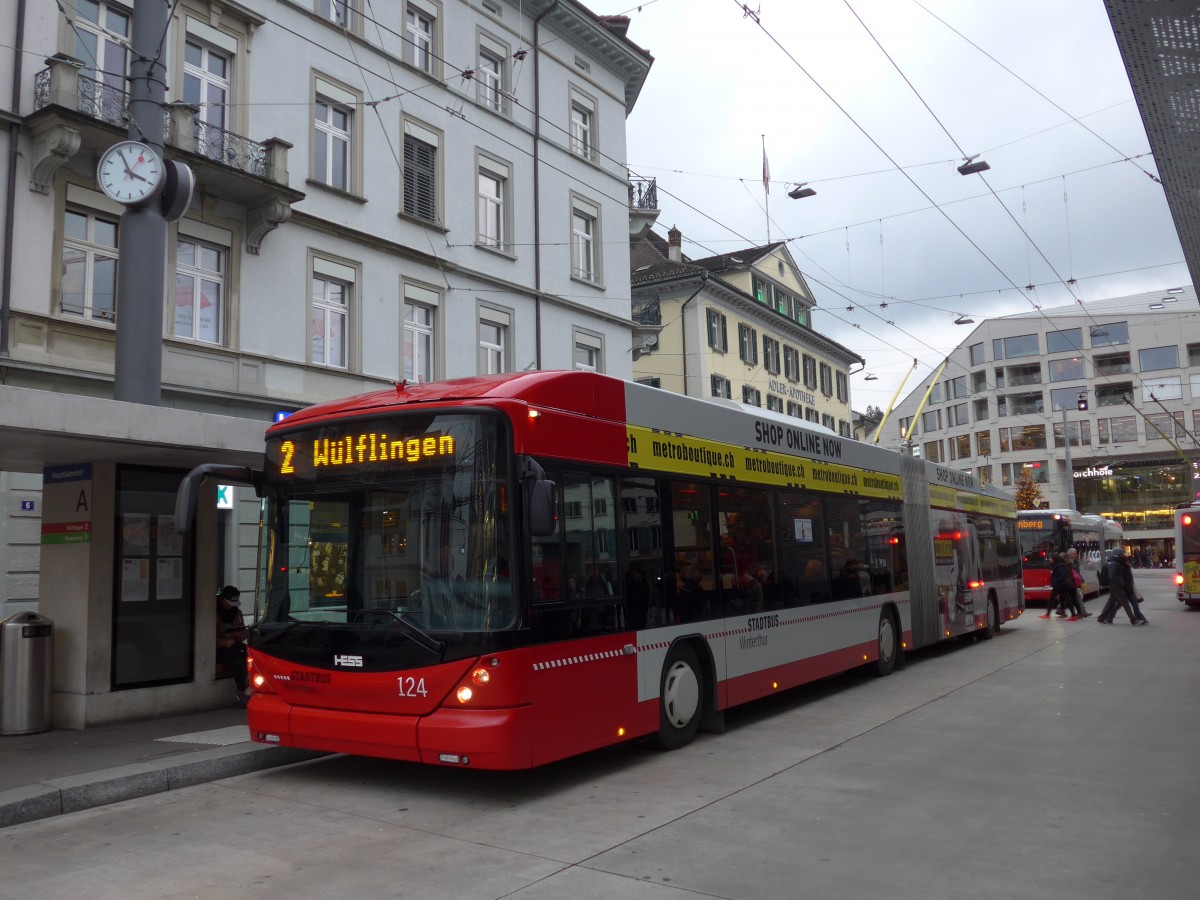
(981, 410)
(718, 337)
(1112, 364)
(983, 443)
(1080, 432)
(720, 387)
(795, 409)
(1028, 437)
(336, 11)
(810, 371)
(589, 351)
(89, 266)
(102, 33)
(491, 74)
(1162, 425)
(960, 447)
(957, 415)
(791, 363)
(747, 344)
(1065, 341)
(1109, 334)
(843, 388)
(494, 352)
(844, 428)
(931, 420)
(583, 124)
(1155, 359)
(978, 382)
(826, 380)
(493, 209)
(421, 172)
(420, 34)
(1064, 398)
(332, 286)
(1118, 430)
(1193, 355)
(420, 317)
(333, 131)
(932, 451)
(1016, 346)
(1021, 404)
(585, 248)
(984, 474)
(1113, 394)
(1021, 375)
(1069, 369)
(774, 403)
(751, 395)
(1165, 387)
(206, 80)
(977, 355)
(199, 291)
(771, 355)
(651, 381)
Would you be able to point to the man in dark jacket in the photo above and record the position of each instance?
(1120, 589)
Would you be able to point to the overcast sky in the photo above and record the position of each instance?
(845, 94)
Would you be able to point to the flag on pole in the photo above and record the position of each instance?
(766, 168)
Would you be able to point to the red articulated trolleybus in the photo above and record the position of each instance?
(503, 571)
(1187, 555)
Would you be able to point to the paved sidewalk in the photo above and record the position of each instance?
(64, 770)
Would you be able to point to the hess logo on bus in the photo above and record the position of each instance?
(340, 659)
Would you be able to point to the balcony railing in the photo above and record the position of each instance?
(233, 150)
(643, 193)
(63, 84)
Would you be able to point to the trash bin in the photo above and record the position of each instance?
(26, 673)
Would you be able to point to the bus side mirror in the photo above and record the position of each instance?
(542, 518)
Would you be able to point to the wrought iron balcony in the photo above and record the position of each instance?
(64, 85)
(643, 193)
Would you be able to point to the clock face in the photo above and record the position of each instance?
(130, 172)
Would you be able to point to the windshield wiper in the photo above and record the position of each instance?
(416, 632)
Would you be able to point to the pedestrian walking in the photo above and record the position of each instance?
(1073, 562)
(1062, 587)
(1120, 589)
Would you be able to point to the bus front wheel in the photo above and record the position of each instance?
(681, 698)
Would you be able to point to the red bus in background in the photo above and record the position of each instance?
(1187, 555)
(503, 571)
(1047, 532)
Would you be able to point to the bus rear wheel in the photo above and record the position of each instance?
(888, 645)
(993, 620)
(681, 698)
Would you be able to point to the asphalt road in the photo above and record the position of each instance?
(1052, 762)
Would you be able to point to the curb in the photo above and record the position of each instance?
(78, 792)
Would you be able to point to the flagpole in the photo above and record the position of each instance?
(766, 187)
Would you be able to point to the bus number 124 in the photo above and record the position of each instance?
(412, 687)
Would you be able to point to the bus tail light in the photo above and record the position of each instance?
(974, 585)
(1186, 518)
(1179, 578)
(259, 683)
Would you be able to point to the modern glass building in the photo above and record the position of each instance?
(1009, 400)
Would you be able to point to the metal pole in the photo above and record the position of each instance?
(141, 279)
(1070, 470)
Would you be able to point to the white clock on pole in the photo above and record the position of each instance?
(130, 172)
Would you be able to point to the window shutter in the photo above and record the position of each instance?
(420, 179)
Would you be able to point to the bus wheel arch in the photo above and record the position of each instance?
(887, 641)
(683, 695)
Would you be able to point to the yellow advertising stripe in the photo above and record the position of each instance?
(952, 498)
(682, 455)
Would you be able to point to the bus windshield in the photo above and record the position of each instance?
(1041, 537)
(395, 524)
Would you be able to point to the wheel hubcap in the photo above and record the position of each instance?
(887, 639)
(681, 694)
